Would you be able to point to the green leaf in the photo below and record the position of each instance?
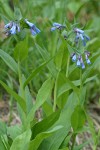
(21, 50)
(78, 118)
(81, 146)
(34, 144)
(21, 142)
(29, 102)
(64, 148)
(2, 146)
(19, 99)
(4, 142)
(44, 53)
(14, 131)
(53, 142)
(28, 97)
(35, 72)
(59, 55)
(75, 89)
(47, 108)
(66, 141)
(45, 124)
(89, 69)
(5, 9)
(9, 61)
(92, 129)
(17, 13)
(67, 85)
(42, 96)
(3, 129)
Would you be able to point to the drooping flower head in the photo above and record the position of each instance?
(73, 57)
(34, 30)
(57, 26)
(81, 35)
(87, 54)
(9, 25)
(79, 60)
(12, 28)
(78, 56)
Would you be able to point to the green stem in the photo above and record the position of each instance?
(68, 62)
(74, 138)
(20, 80)
(81, 84)
(55, 96)
(10, 110)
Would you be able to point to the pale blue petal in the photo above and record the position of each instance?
(55, 24)
(81, 36)
(33, 32)
(53, 28)
(87, 37)
(74, 58)
(13, 29)
(79, 30)
(18, 28)
(83, 40)
(88, 61)
(29, 23)
(37, 30)
(84, 43)
(9, 25)
(78, 63)
(82, 65)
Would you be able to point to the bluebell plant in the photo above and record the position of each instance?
(13, 27)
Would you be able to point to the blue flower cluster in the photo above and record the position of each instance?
(57, 26)
(81, 35)
(13, 28)
(79, 60)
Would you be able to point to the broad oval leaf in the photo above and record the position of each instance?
(78, 118)
(9, 61)
(34, 144)
(21, 50)
(21, 142)
(42, 96)
(45, 124)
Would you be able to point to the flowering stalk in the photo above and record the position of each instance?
(68, 63)
(20, 80)
(55, 96)
(80, 36)
(81, 84)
